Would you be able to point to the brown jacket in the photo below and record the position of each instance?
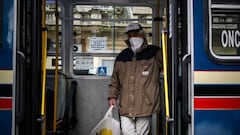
(136, 78)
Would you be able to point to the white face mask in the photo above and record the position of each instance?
(136, 43)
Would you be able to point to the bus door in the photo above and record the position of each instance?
(91, 36)
(27, 68)
(180, 68)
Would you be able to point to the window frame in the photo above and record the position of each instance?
(216, 57)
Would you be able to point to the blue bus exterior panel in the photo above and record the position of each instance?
(217, 122)
(216, 115)
(5, 122)
(7, 35)
(6, 66)
(216, 84)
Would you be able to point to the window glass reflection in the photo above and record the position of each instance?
(226, 32)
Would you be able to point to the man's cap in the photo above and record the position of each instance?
(133, 27)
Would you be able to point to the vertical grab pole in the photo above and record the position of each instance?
(56, 70)
(158, 43)
(164, 51)
(44, 56)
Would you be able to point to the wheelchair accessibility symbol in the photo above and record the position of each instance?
(102, 71)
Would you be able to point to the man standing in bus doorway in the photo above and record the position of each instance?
(135, 80)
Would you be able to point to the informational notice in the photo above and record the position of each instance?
(97, 44)
(82, 63)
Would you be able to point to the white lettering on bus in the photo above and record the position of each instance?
(230, 38)
(237, 38)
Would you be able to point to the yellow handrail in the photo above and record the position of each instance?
(44, 56)
(164, 51)
(56, 69)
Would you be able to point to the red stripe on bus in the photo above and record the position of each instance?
(5, 103)
(217, 103)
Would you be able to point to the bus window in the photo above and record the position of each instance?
(225, 33)
(51, 36)
(98, 35)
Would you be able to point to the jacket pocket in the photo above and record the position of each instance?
(146, 68)
(147, 99)
(146, 64)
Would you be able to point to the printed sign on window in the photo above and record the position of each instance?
(98, 44)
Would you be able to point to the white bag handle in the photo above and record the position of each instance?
(108, 119)
(109, 112)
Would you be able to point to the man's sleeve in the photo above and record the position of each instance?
(113, 87)
(160, 59)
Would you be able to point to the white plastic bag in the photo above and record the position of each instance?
(107, 126)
